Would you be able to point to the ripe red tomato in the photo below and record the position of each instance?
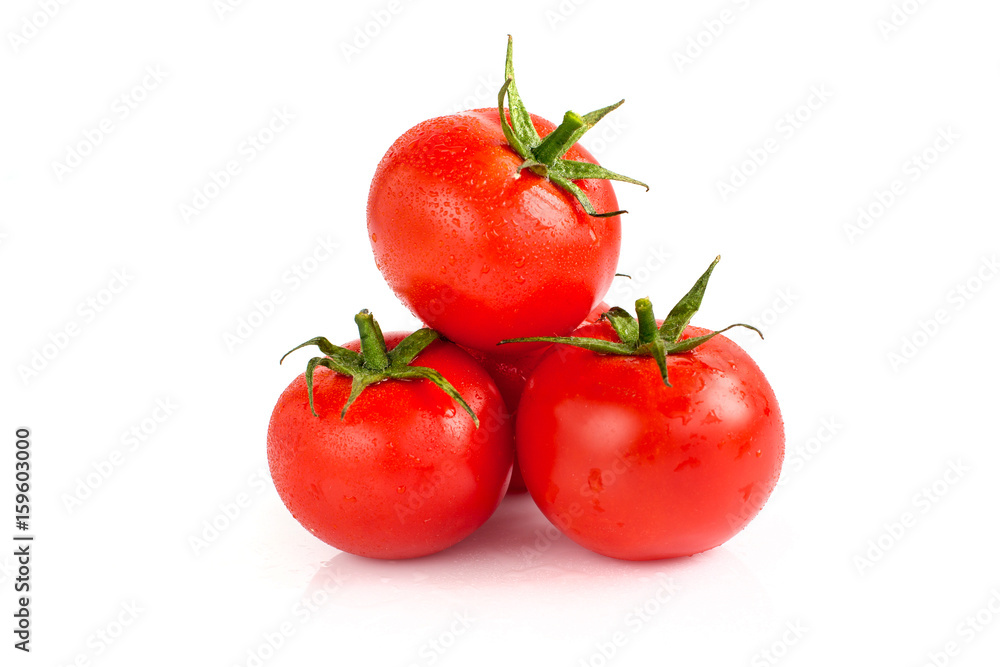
(478, 251)
(406, 472)
(631, 468)
(491, 226)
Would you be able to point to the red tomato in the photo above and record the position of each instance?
(479, 251)
(405, 473)
(631, 468)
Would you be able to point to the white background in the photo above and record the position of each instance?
(870, 439)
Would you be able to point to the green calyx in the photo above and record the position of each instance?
(544, 156)
(375, 363)
(640, 336)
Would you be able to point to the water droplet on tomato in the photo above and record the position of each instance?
(350, 499)
(711, 417)
(374, 237)
(485, 269)
(519, 262)
(594, 480)
(400, 489)
(449, 411)
(689, 462)
(519, 279)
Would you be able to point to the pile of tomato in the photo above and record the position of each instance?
(639, 438)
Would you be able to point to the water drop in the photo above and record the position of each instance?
(594, 480)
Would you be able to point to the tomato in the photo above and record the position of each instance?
(476, 243)
(666, 444)
(478, 253)
(633, 469)
(405, 472)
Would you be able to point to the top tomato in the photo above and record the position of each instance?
(483, 231)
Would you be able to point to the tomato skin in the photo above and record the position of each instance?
(510, 374)
(632, 469)
(478, 251)
(406, 473)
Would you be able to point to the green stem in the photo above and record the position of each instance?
(560, 140)
(544, 157)
(373, 350)
(374, 363)
(648, 331)
(640, 337)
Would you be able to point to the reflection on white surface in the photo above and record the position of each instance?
(519, 563)
(515, 585)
